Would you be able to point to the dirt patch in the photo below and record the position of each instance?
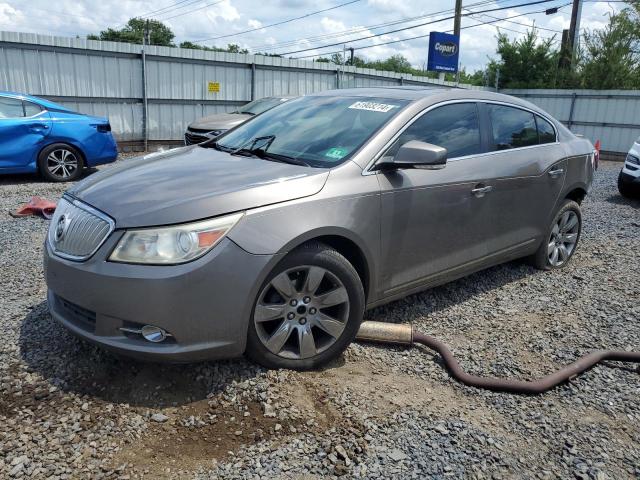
(196, 435)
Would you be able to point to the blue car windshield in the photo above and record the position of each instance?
(316, 131)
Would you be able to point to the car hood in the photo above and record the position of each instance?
(222, 121)
(192, 183)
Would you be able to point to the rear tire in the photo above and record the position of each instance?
(561, 240)
(60, 162)
(308, 310)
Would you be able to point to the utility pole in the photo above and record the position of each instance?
(456, 31)
(574, 27)
(146, 37)
(147, 33)
(458, 18)
(571, 37)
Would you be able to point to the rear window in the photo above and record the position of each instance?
(11, 108)
(546, 132)
(31, 109)
(512, 127)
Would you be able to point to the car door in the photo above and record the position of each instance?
(23, 128)
(432, 222)
(528, 168)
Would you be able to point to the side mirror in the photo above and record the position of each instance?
(416, 154)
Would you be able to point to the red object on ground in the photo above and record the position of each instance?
(597, 155)
(36, 206)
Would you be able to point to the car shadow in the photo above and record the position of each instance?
(30, 178)
(445, 296)
(620, 200)
(74, 365)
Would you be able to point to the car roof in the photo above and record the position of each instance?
(40, 101)
(430, 95)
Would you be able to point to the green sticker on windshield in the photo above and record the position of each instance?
(336, 153)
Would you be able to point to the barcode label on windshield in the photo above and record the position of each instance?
(372, 106)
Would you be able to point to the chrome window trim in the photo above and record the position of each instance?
(23, 100)
(87, 208)
(367, 170)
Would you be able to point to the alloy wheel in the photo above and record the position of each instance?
(563, 239)
(62, 163)
(301, 312)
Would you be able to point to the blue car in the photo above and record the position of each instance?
(37, 135)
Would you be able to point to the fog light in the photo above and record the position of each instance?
(153, 334)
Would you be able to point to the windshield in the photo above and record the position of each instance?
(262, 105)
(318, 131)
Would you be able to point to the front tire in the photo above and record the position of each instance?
(562, 238)
(308, 310)
(625, 188)
(60, 163)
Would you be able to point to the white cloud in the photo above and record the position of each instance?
(80, 17)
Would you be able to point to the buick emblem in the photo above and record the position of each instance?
(61, 227)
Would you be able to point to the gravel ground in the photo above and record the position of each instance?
(70, 410)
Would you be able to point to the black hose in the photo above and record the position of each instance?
(520, 386)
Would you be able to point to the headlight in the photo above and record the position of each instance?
(633, 159)
(172, 245)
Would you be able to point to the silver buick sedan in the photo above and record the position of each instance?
(273, 239)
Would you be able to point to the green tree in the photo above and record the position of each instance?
(611, 56)
(524, 63)
(133, 32)
(231, 48)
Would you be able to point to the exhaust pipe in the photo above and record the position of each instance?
(402, 334)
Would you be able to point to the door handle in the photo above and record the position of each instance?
(481, 191)
(557, 172)
(36, 126)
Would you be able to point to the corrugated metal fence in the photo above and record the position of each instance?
(108, 79)
(611, 116)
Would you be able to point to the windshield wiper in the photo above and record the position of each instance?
(261, 151)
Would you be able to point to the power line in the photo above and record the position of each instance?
(419, 25)
(192, 11)
(422, 36)
(360, 29)
(160, 11)
(277, 23)
(522, 24)
(174, 6)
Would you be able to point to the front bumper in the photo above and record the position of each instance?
(205, 304)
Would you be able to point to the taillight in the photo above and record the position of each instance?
(104, 128)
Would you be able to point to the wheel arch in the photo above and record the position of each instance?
(345, 243)
(577, 194)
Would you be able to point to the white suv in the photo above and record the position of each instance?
(629, 178)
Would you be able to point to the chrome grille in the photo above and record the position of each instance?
(77, 230)
(194, 136)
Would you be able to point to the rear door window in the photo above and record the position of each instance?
(31, 109)
(11, 108)
(546, 132)
(512, 127)
(454, 127)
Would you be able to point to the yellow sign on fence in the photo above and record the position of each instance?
(213, 87)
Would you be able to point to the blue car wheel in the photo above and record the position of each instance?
(60, 163)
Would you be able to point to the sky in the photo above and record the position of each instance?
(219, 22)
